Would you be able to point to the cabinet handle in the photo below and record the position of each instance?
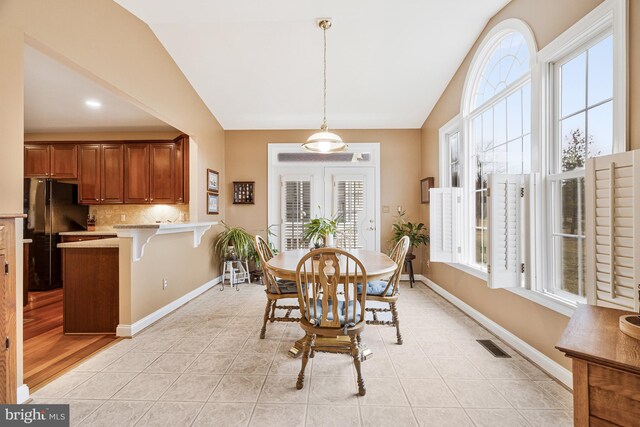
(145, 200)
(151, 200)
(52, 174)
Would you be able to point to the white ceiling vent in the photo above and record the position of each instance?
(323, 157)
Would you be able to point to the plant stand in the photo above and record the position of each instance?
(408, 266)
(236, 272)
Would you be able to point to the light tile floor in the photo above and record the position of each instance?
(204, 365)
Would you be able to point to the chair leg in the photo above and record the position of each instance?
(273, 311)
(263, 331)
(396, 321)
(355, 352)
(306, 348)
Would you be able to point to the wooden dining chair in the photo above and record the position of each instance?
(387, 290)
(332, 309)
(276, 289)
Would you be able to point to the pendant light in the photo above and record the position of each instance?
(324, 141)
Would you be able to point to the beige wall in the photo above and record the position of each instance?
(538, 326)
(246, 160)
(109, 45)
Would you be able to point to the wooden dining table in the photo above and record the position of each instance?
(376, 264)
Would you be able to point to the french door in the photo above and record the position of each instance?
(345, 192)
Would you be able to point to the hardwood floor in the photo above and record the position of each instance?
(47, 351)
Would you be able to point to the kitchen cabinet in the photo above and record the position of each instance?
(36, 161)
(182, 169)
(112, 173)
(162, 173)
(51, 161)
(64, 161)
(136, 173)
(89, 174)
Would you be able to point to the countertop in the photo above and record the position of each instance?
(163, 225)
(90, 244)
(89, 233)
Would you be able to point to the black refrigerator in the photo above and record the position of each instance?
(51, 207)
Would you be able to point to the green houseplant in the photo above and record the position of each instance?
(320, 231)
(234, 242)
(417, 232)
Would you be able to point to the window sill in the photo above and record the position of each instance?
(559, 305)
(474, 271)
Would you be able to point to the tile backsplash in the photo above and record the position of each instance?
(109, 215)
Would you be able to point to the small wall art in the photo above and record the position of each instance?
(243, 192)
(213, 181)
(213, 204)
(426, 185)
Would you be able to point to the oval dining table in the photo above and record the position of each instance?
(376, 264)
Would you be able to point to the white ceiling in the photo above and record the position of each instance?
(258, 64)
(55, 95)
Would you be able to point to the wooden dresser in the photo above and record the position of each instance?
(606, 368)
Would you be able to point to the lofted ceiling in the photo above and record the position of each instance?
(258, 64)
(55, 96)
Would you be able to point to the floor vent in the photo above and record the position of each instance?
(492, 348)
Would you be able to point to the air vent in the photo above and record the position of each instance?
(492, 348)
(324, 157)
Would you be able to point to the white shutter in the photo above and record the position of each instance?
(445, 220)
(295, 211)
(505, 199)
(613, 231)
(349, 204)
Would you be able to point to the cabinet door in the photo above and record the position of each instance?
(36, 161)
(89, 174)
(112, 179)
(136, 173)
(64, 161)
(162, 173)
(182, 169)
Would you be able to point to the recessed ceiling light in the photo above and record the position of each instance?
(92, 103)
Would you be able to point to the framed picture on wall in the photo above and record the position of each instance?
(213, 181)
(213, 204)
(426, 185)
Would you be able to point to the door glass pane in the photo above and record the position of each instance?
(478, 251)
(573, 77)
(296, 210)
(601, 71)
(350, 208)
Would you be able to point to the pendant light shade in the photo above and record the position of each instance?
(324, 141)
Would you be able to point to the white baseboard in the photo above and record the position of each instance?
(22, 393)
(543, 361)
(124, 330)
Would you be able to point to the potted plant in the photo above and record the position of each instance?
(417, 232)
(321, 231)
(234, 243)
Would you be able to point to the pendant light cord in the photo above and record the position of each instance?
(324, 120)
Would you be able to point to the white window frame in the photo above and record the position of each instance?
(609, 18)
(611, 14)
(452, 127)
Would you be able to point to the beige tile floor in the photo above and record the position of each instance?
(204, 365)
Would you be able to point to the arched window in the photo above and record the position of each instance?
(497, 116)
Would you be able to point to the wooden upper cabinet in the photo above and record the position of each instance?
(112, 175)
(89, 174)
(136, 173)
(182, 169)
(64, 161)
(36, 161)
(162, 173)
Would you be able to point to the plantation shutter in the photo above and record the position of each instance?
(295, 211)
(445, 219)
(349, 204)
(506, 201)
(613, 231)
